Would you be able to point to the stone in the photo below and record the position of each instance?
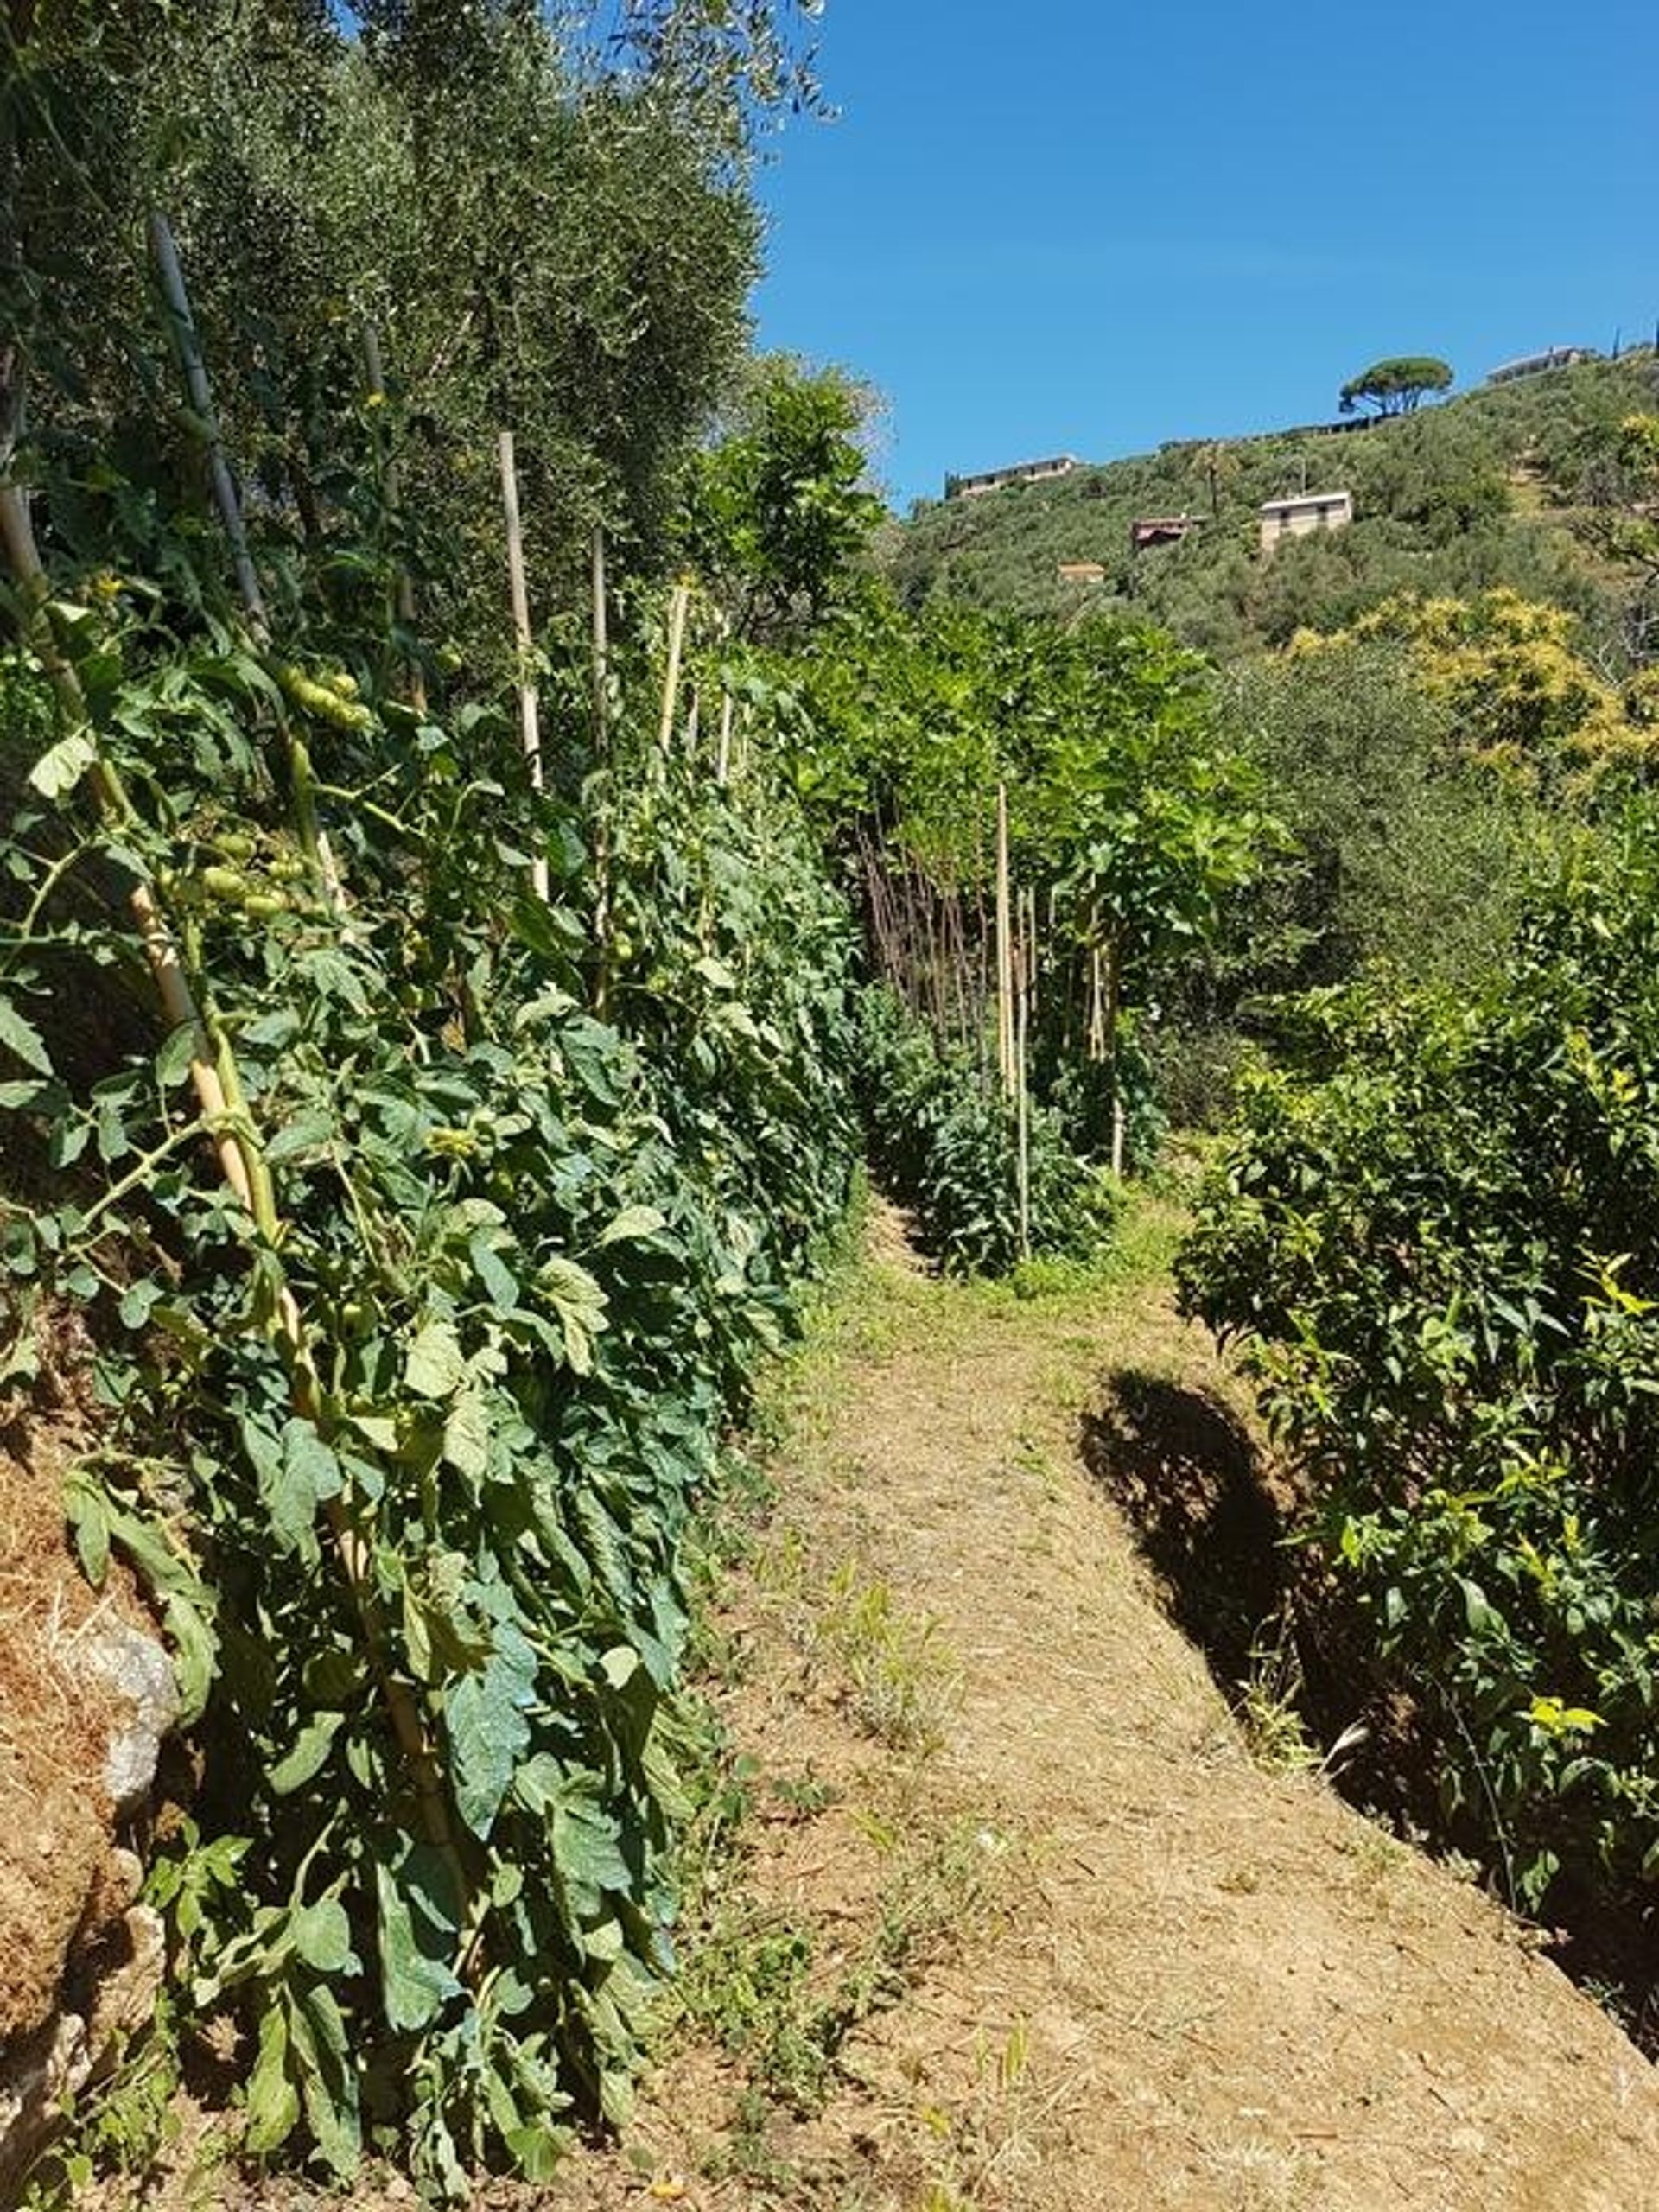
(34, 2082)
(119, 1657)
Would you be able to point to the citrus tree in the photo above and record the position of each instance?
(1437, 1247)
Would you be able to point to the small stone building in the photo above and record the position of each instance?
(1022, 471)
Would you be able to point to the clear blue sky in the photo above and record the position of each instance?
(1089, 226)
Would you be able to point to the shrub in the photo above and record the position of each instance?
(1439, 1251)
(945, 1142)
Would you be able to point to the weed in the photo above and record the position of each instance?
(747, 1986)
(902, 1682)
(1267, 1707)
(803, 1795)
(125, 2126)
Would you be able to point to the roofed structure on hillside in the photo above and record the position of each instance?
(1302, 514)
(1162, 529)
(1534, 365)
(1022, 471)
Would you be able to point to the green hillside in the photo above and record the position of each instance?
(1493, 487)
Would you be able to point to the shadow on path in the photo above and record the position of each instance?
(1188, 1475)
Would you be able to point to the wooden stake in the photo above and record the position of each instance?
(1022, 1103)
(602, 652)
(678, 606)
(402, 585)
(1004, 949)
(723, 751)
(599, 677)
(188, 348)
(529, 706)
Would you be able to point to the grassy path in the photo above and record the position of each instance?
(1013, 1918)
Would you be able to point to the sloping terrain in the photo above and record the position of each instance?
(1482, 490)
(1022, 1923)
(997, 1909)
(78, 1963)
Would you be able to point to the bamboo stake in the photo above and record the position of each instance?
(390, 484)
(1004, 949)
(723, 750)
(1114, 957)
(602, 652)
(529, 706)
(599, 677)
(1022, 1101)
(958, 956)
(187, 348)
(678, 606)
(932, 955)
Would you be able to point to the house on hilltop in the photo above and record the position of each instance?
(1534, 365)
(1023, 471)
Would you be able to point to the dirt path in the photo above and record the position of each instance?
(1019, 1922)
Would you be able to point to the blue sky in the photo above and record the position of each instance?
(1087, 228)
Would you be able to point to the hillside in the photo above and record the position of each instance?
(1483, 489)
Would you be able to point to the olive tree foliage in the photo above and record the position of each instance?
(1405, 853)
(543, 215)
(1396, 386)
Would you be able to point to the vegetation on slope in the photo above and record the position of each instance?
(427, 1135)
(1432, 1233)
(1500, 486)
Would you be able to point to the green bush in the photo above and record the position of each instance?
(945, 1142)
(1439, 1251)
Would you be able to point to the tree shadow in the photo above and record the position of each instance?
(1212, 1522)
(1186, 1474)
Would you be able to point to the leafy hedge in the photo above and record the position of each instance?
(945, 1143)
(420, 1570)
(1439, 1245)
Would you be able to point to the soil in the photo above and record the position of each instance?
(1003, 1911)
(60, 1892)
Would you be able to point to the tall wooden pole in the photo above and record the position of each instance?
(723, 752)
(402, 585)
(188, 348)
(602, 652)
(1022, 1096)
(678, 606)
(599, 677)
(187, 345)
(1004, 949)
(530, 721)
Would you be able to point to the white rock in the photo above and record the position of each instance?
(135, 1666)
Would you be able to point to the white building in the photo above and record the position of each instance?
(1301, 516)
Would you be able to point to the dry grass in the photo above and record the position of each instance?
(54, 1819)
